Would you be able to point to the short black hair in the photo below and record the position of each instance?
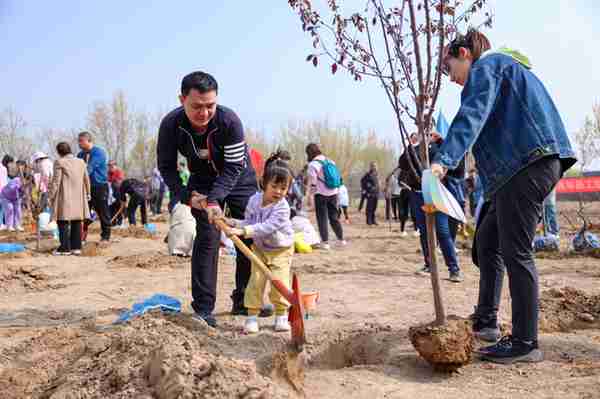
(201, 81)
(21, 162)
(87, 135)
(276, 172)
(6, 160)
(63, 148)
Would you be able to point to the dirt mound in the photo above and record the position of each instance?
(447, 347)
(26, 277)
(149, 261)
(150, 357)
(567, 309)
(592, 253)
(129, 231)
(17, 236)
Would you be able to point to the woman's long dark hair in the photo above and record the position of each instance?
(474, 40)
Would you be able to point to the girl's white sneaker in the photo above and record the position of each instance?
(251, 325)
(282, 324)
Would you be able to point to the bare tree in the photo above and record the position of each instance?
(48, 138)
(400, 46)
(123, 124)
(100, 124)
(14, 139)
(143, 154)
(113, 126)
(588, 139)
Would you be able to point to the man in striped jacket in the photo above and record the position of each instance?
(211, 138)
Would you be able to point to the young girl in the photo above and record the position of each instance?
(267, 223)
(11, 199)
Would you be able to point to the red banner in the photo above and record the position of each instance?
(589, 184)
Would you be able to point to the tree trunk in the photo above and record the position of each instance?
(440, 313)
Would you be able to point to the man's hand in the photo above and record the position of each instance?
(438, 170)
(198, 201)
(214, 212)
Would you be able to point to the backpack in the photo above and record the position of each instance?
(331, 174)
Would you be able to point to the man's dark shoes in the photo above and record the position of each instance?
(511, 350)
(488, 332)
(206, 317)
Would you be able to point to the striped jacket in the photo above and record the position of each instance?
(222, 170)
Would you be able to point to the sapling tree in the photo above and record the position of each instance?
(400, 44)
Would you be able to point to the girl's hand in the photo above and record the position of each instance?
(234, 232)
(231, 222)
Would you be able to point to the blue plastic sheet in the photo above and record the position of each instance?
(584, 241)
(8, 248)
(162, 302)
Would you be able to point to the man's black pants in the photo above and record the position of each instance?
(371, 208)
(504, 240)
(99, 203)
(326, 208)
(205, 258)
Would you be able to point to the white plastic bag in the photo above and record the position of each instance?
(301, 224)
(182, 231)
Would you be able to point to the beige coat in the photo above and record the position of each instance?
(69, 189)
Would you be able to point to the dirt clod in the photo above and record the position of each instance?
(447, 347)
(134, 232)
(27, 277)
(567, 309)
(91, 249)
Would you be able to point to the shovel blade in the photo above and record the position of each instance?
(296, 316)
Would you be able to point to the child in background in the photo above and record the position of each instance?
(137, 192)
(343, 202)
(11, 199)
(3, 182)
(267, 223)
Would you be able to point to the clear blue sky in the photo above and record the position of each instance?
(58, 57)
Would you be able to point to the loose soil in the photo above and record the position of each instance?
(568, 309)
(26, 278)
(61, 343)
(150, 261)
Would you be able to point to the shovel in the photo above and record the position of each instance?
(296, 313)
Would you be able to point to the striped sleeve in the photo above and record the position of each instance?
(234, 157)
(235, 152)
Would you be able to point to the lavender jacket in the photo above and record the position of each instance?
(269, 227)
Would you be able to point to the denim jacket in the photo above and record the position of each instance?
(508, 119)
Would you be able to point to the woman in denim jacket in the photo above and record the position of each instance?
(522, 150)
